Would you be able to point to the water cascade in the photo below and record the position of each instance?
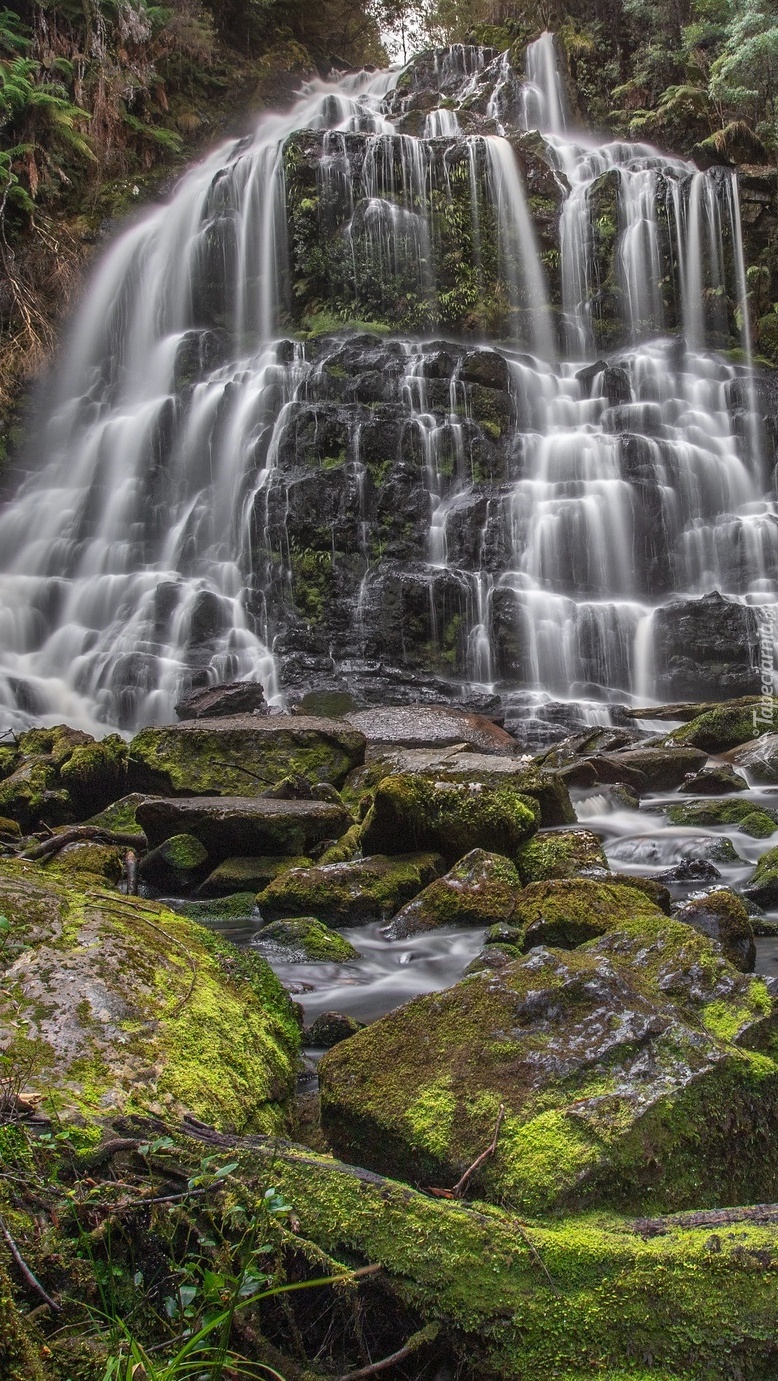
(224, 487)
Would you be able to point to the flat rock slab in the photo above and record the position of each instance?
(242, 755)
(432, 726)
(229, 826)
(458, 765)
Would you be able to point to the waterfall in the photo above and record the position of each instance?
(157, 542)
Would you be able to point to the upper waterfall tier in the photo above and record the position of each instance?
(218, 489)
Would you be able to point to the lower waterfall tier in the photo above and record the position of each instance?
(363, 514)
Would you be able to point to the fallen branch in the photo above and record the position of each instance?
(461, 1185)
(78, 834)
(31, 1279)
(707, 1218)
(425, 1335)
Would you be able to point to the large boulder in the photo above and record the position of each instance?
(480, 890)
(346, 894)
(699, 643)
(621, 1069)
(115, 1005)
(645, 769)
(303, 940)
(242, 755)
(432, 727)
(451, 818)
(228, 826)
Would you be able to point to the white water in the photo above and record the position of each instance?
(143, 551)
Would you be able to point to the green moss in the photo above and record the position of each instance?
(614, 1063)
(344, 894)
(431, 1114)
(726, 727)
(303, 939)
(233, 907)
(347, 848)
(241, 761)
(249, 874)
(182, 852)
(96, 773)
(412, 812)
(103, 862)
(560, 855)
(480, 889)
(756, 822)
(569, 911)
(177, 1019)
(120, 816)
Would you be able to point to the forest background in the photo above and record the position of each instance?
(102, 102)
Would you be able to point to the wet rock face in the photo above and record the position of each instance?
(614, 1064)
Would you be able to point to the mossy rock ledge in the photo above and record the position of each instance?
(567, 912)
(560, 854)
(112, 1005)
(242, 755)
(733, 811)
(546, 788)
(763, 887)
(622, 1068)
(729, 725)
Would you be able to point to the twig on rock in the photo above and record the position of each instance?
(31, 1279)
(461, 1185)
(78, 834)
(425, 1335)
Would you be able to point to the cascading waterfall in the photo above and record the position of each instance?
(153, 545)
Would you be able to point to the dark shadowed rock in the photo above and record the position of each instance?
(345, 894)
(235, 697)
(330, 1029)
(232, 826)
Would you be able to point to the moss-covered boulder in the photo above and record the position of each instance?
(560, 854)
(304, 940)
(753, 820)
(31, 796)
(95, 774)
(759, 758)
(176, 864)
(345, 894)
(547, 788)
(567, 912)
(717, 779)
(10, 831)
(248, 874)
(238, 906)
(110, 1004)
(722, 916)
(103, 862)
(451, 818)
(620, 1067)
(763, 887)
(729, 725)
(479, 890)
(243, 826)
(242, 755)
